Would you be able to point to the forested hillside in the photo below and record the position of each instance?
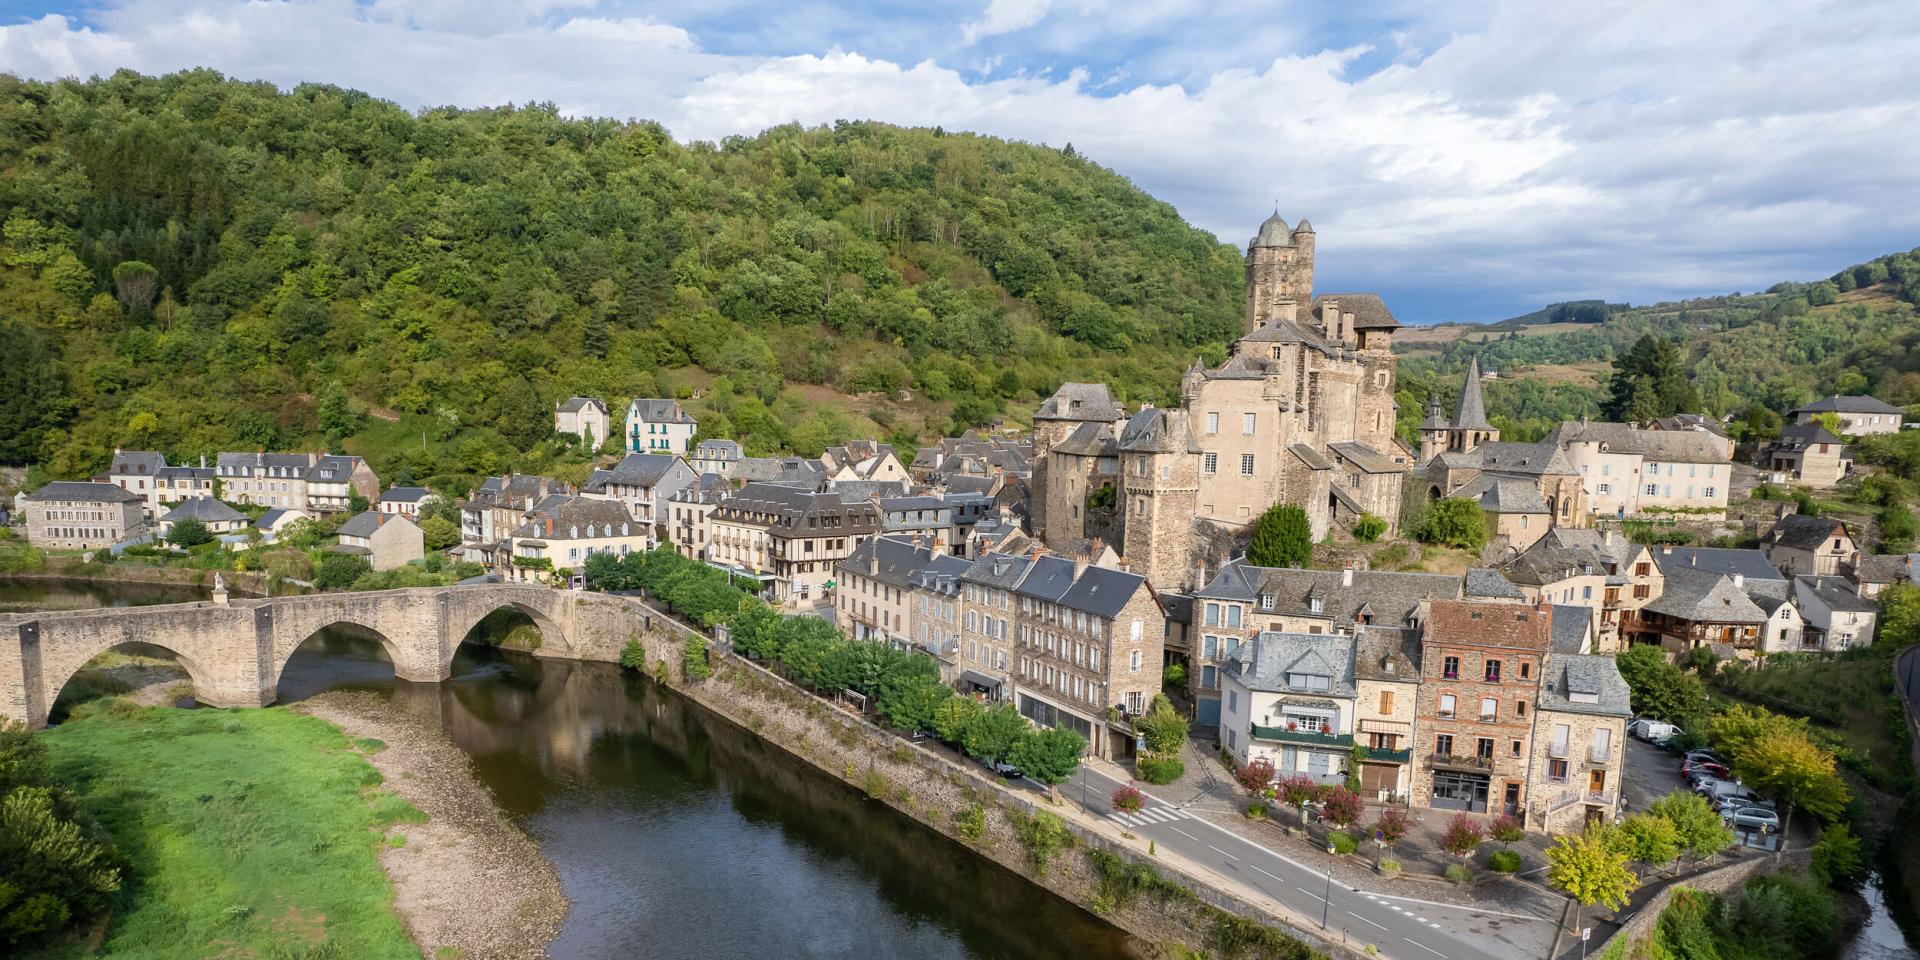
(1755, 355)
(192, 263)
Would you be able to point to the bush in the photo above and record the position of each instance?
(55, 868)
(693, 659)
(1392, 825)
(1369, 528)
(1255, 775)
(1163, 727)
(1282, 537)
(1255, 811)
(1463, 836)
(1505, 861)
(338, 571)
(1128, 799)
(633, 656)
(1506, 829)
(1389, 865)
(1459, 873)
(1836, 857)
(1044, 835)
(1159, 770)
(1453, 522)
(1343, 843)
(1342, 807)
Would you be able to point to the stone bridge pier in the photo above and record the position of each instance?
(235, 651)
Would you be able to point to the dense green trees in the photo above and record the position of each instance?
(454, 272)
(1650, 381)
(33, 395)
(55, 868)
(1282, 537)
(189, 533)
(1453, 522)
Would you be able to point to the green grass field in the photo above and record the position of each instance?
(251, 833)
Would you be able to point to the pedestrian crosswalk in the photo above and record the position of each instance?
(1147, 815)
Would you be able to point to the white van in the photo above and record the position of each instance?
(1651, 730)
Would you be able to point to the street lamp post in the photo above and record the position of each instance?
(1326, 902)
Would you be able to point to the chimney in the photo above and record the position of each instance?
(1606, 537)
(1666, 549)
(1079, 565)
(939, 546)
(1199, 575)
(1285, 309)
(1739, 582)
(1346, 575)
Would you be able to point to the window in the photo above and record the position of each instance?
(1483, 748)
(1707, 492)
(1246, 423)
(1489, 709)
(1246, 464)
(1450, 668)
(1210, 647)
(1233, 701)
(1266, 601)
(1443, 745)
(1493, 671)
(1233, 616)
(1210, 463)
(1519, 708)
(1386, 702)
(1652, 489)
(1209, 677)
(1602, 745)
(1317, 605)
(1446, 705)
(1513, 748)
(1642, 591)
(1213, 423)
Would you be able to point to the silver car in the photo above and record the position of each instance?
(1755, 819)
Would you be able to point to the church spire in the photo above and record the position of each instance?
(1472, 414)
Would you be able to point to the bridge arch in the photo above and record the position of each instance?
(396, 655)
(461, 622)
(73, 660)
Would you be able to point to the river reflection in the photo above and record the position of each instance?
(678, 835)
(21, 594)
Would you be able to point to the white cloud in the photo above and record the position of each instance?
(1007, 16)
(1547, 151)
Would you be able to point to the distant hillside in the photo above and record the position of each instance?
(1854, 332)
(193, 263)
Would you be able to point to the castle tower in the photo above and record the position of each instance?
(1159, 487)
(1470, 427)
(1279, 270)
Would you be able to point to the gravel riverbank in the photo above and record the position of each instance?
(467, 880)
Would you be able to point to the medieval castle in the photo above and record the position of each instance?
(1301, 412)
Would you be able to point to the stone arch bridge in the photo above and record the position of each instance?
(235, 650)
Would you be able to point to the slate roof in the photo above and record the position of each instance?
(577, 404)
(331, 467)
(405, 494)
(891, 560)
(1048, 578)
(1751, 564)
(1570, 626)
(1366, 458)
(1797, 531)
(1498, 494)
(579, 518)
(780, 469)
(1156, 430)
(634, 469)
(136, 463)
(1483, 582)
(1800, 436)
(1544, 563)
(1369, 311)
(272, 518)
(83, 491)
(1690, 421)
(1273, 232)
(1314, 459)
(1089, 439)
(1585, 675)
(1836, 593)
(1849, 405)
(1101, 591)
(649, 410)
(361, 525)
(1525, 459)
(1377, 647)
(1677, 446)
(1000, 570)
(1264, 663)
(1389, 599)
(717, 450)
(851, 490)
(203, 509)
(1080, 401)
(1889, 568)
(1703, 597)
(1472, 411)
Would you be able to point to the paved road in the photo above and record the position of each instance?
(1401, 927)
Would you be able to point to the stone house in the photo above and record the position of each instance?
(716, 456)
(69, 515)
(1517, 513)
(1579, 744)
(659, 426)
(1785, 629)
(313, 482)
(987, 622)
(1573, 576)
(642, 483)
(501, 504)
(788, 539)
(1481, 665)
(934, 616)
(562, 534)
(1700, 608)
(1810, 546)
(1243, 601)
(874, 593)
(384, 540)
(217, 517)
(404, 501)
(1386, 672)
(688, 514)
(1876, 572)
(1063, 415)
(1542, 464)
(1630, 472)
(864, 460)
(1089, 650)
(159, 485)
(1289, 699)
(1858, 415)
(1836, 618)
(583, 417)
(1632, 580)
(1809, 454)
(929, 516)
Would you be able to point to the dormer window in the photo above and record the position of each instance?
(1316, 604)
(1309, 681)
(1266, 601)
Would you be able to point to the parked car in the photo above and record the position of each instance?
(1713, 787)
(1726, 804)
(1004, 769)
(1693, 767)
(1703, 753)
(1651, 730)
(1755, 819)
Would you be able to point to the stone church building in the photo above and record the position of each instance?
(1301, 412)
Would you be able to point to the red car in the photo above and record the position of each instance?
(1693, 768)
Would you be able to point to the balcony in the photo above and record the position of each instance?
(1568, 798)
(1384, 755)
(1307, 737)
(1558, 750)
(1452, 761)
(1600, 755)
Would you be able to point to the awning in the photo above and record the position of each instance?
(979, 679)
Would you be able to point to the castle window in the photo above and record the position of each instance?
(1247, 421)
(1210, 462)
(1246, 464)
(1213, 423)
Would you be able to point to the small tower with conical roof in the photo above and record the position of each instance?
(1470, 427)
(1279, 271)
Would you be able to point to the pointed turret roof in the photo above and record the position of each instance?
(1436, 420)
(1472, 414)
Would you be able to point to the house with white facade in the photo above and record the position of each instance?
(1858, 415)
(1836, 618)
(1289, 698)
(659, 426)
(583, 417)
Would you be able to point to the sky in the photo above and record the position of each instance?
(1470, 161)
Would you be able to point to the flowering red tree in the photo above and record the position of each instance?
(1506, 829)
(1463, 836)
(1297, 790)
(1392, 825)
(1341, 807)
(1255, 775)
(1128, 799)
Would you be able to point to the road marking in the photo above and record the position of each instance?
(1309, 893)
(1356, 916)
(1423, 946)
(1183, 833)
(1270, 875)
(1223, 853)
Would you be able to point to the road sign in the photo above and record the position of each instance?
(1585, 934)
